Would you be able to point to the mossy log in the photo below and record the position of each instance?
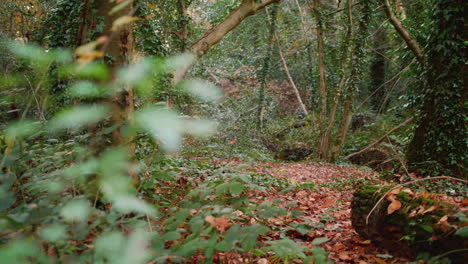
(419, 225)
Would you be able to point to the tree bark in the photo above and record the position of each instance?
(438, 145)
(119, 48)
(322, 76)
(201, 46)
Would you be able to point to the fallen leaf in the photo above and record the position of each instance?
(430, 209)
(220, 223)
(344, 256)
(393, 206)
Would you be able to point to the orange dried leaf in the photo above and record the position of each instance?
(430, 209)
(393, 206)
(220, 223)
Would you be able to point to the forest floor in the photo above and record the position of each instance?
(326, 206)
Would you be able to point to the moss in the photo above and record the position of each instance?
(399, 231)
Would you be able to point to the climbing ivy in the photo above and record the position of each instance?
(439, 141)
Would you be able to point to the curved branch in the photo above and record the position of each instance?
(404, 34)
(201, 46)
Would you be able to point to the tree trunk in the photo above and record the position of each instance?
(266, 66)
(118, 49)
(356, 62)
(322, 77)
(439, 141)
(201, 46)
(378, 70)
(324, 151)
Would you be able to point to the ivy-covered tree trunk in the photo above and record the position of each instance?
(322, 76)
(378, 71)
(439, 142)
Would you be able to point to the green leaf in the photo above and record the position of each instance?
(179, 61)
(463, 232)
(319, 240)
(127, 203)
(53, 233)
(78, 117)
(236, 188)
(320, 255)
(95, 70)
(31, 52)
(22, 128)
(286, 248)
(202, 90)
(169, 236)
(18, 251)
(76, 210)
(427, 228)
(162, 124)
(87, 89)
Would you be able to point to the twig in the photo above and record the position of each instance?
(399, 157)
(380, 139)
(446, 254)
(406, 183)
(149, 223)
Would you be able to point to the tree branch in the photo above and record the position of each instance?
(380, 139)
(412, 44)
(201, 46)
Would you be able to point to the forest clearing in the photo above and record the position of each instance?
(233, 131)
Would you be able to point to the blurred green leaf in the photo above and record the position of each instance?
(22, 128)
(202, 90)
(78, 117)
(180, 61)
(236, 188)
(463, 232)
(319, 240)
(286, 249)
(127, 203)
(163, 125)
(76, 210)
(199, 127)
(53, 233)
(87, 89)
(18, 252)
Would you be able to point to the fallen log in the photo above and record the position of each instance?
(407, 223)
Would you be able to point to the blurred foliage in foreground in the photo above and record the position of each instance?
(65, 190)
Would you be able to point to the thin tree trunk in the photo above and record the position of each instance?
(325, 139)
(321, 57)
(412, 44)
(266, 65)
(183, 25)
(201, 46)
(291, 81)
(357, 56)
(119, 47)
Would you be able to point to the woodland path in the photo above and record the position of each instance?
(327, 205)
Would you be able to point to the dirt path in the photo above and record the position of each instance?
(326, 207)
